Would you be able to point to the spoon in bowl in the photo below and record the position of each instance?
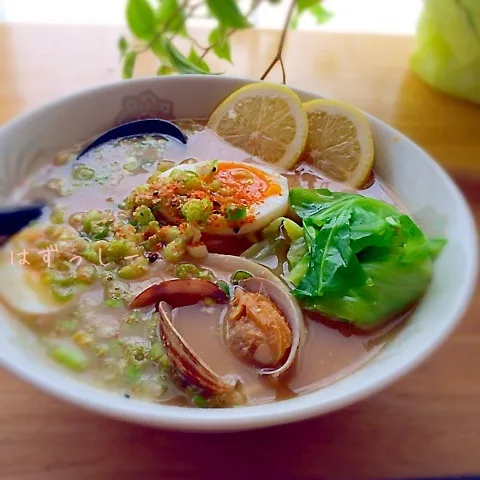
(138, 128)
(15, 218)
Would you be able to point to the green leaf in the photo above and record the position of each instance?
(333, 265)
(129, 64)
(158, 48)
(171, 17)
(364, 261)
(221, 43)
(180, 62)
(320, 14)
(141, 19)
(165, 70)
(122, 45)
(305, 4)
(227, 13)
(195, 59)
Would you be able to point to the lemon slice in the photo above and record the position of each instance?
(339, 141)
(266, 120)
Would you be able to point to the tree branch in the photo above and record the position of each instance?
(253, 7)
(163, 30)
(278, 56)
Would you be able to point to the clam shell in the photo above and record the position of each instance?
(291, 311)
(277, 290)
(185, 361)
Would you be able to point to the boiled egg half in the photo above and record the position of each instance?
(240, 197)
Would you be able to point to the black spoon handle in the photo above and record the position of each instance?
(13, 219)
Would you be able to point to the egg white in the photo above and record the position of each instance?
(22, 291)
(264, 212)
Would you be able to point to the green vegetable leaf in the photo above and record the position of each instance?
(227, 13)
(180, 62)
(129, 64)
(194, 57)
(305, 4)
(307, 203)
(122, 45)
(333, 265)
(141, 19)
(221, 43)
(362, 260)
(171, 17)
(320, 14)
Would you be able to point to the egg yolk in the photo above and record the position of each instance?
(249, 183)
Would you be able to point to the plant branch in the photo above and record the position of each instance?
(214, 44)
(278, 56)
(163, 30)
(253, 7)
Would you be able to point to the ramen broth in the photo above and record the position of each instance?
(330, 350)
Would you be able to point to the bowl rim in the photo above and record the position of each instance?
(256, 416)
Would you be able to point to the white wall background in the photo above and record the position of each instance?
(369, 16)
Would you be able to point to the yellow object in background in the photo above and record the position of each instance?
(447, 54)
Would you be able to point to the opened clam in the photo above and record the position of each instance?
(262, 325)
(190, 366)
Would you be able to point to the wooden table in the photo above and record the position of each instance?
(428, 423)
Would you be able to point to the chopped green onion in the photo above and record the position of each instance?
(206, 275)
(143, 215)
(101, 233)
(113, 302)
(156, 351)
(82, 172)
(91, 256)
(91, 216)
(131, 165)
(240, 275)
(117, 249)
(63, 294)
(132, 373)
(234, 214)
(69, 325)
(57, 216)
(69, 356)
(200, 401)
(174, 251)
(86, 274)
(224, 286)
(187, 270)
(197, 211)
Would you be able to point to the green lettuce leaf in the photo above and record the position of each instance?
(364, 261)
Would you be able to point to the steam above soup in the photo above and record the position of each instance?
(166, 273)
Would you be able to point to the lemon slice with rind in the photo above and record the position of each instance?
(264, 119)
(339, 141)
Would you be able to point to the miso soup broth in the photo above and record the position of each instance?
(198, 275)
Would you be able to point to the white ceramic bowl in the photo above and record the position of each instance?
(429, 194)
